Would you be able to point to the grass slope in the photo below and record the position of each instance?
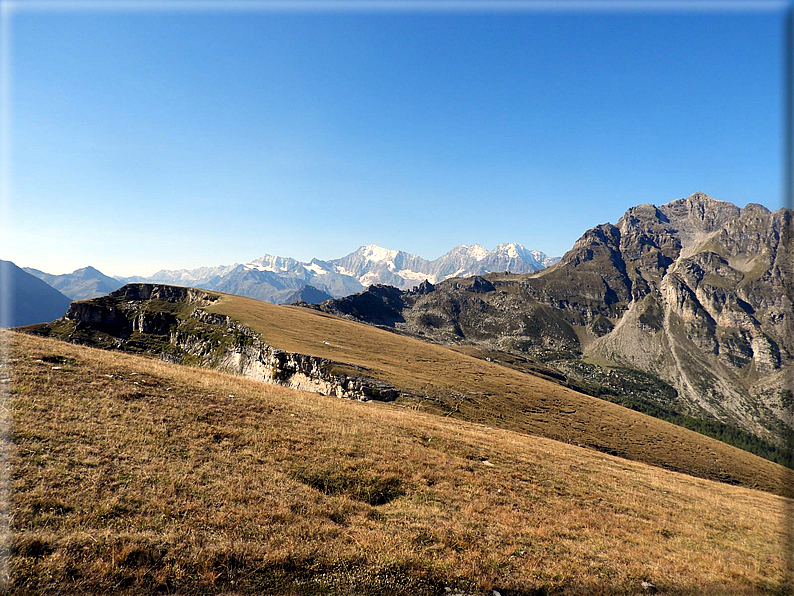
(498, 396)
(130, 475)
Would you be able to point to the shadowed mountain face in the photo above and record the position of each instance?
(696, 292)
(308, 294)
(26, 300)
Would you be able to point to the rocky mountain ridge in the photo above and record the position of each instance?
(696, 292)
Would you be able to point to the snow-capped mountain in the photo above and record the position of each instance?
(276, 279)
(375, 265)
(183, 277)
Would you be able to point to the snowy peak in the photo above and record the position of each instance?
(543, 258)
(474, 252)
(377, 254)
(512, 250)
(373, 264)
(184, 277)
(477, 252)
(273, 264)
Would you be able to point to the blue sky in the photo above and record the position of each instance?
(143, 140)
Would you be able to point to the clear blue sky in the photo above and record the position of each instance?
(174, 139)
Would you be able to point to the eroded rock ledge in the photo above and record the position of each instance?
(255, 359)
(171, 322)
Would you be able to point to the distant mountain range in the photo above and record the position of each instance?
(281, 280)
(80, 284)
(680, 310)
(278, 279)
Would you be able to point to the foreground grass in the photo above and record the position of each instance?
(130, 475)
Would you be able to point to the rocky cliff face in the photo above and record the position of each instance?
(711, 306)
(170, 322)
(697, 292)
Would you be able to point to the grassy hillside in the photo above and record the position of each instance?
(475, 390)
(131, 475)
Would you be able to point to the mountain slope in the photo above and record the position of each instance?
(307, 349)
(696, 292)
(25, 299)
(80, 284)
(137, 476)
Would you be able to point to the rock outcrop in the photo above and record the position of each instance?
(171, 322)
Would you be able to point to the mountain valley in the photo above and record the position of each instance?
(305, 349)
(494, 435)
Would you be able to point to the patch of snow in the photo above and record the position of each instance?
(511, 249)
(259, 267)
(272, 263)
(368, 279)
(477, 251)
(416, 276)
(315, 268)
(538, 255)
(343, 271)
(378, 254)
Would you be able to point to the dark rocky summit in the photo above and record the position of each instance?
(308, 294)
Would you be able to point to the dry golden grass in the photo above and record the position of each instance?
(131, 475)
(503, 397)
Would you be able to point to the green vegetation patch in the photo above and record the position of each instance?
(218, 338)
(352, 482)
(147, 343)
(646, 393)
